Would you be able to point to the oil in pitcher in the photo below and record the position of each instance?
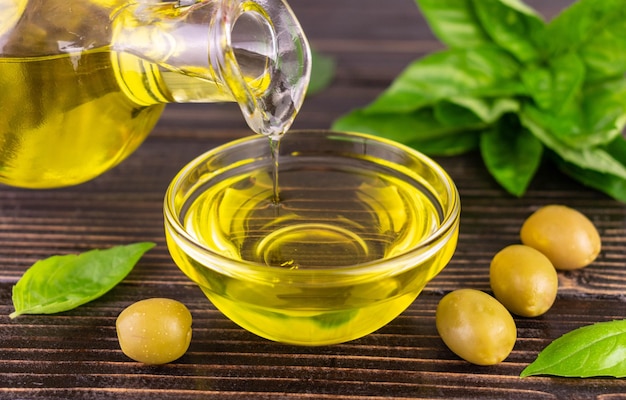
(82, 83)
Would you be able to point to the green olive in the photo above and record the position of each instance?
(523, 280)
(564, 235)
(154, 331)
(475, 326)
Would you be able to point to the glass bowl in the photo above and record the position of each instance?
(361, 225)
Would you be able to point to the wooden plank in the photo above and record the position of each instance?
(75, 355)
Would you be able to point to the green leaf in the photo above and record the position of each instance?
(556, 85)
(451, 145)
(322, 72)
(487, 110)
(617, 148)
(480, 72)
(448, 128)
(565, 81)
(590, 351)
(595, 117)
(595, 29)
(451, 113)
(454, 22)
(420, 129)
(605, 53)
(609, 184)
(61, 283)
(594, 158)
(511, 154)
(513, 26)
(604, 108)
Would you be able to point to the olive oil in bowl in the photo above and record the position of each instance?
(359, 229)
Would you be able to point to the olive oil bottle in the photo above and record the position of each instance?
(55, 141)
(82, 83)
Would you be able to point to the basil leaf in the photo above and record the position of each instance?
(61, 283)
(568, 73)
(593, 350)
(604, 108)
(596, 117)
(450, 113)
(590, 116)
(556, 85)
(480, 72)
(612, 185)
(511, 154)
(617, 149)
(448, 128)
(487, 110)
(454, 22)
(420, 129)
(564, 80)
(322, 72)
(513, 26)
(605, 53)
(593, 158)
(453, 144)
(594, 28)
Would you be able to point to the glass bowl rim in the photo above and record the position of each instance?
(380, 267)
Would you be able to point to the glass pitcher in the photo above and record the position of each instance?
(83, 82)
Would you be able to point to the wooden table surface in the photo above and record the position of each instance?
(75, 355)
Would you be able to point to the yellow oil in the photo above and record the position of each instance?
(65, 119)
(78, 95)
(69, 118)
(331, 215)
(326, 217)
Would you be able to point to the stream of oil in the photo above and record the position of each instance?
(275, 150)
